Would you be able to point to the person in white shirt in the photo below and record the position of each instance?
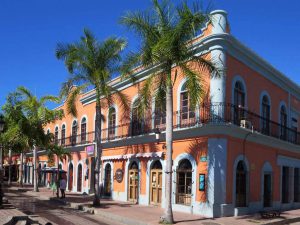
(62, 186)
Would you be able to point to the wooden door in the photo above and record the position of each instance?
(70, 184)
(156, 186)
(79, 179)
(133, 182)
(107, 181)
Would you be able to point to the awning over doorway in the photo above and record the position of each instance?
(137, 155)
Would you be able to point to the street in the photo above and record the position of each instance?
(49, 211)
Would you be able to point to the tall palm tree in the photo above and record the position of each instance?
(61, 154)
(92, 64)
(37, 115)
(165, 32)
(14, 136)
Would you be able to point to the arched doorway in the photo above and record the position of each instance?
(40, 174)
(184, 183)
(44, 175)
(156, 183)
(70, 180)
(107, 180)
(133, 182)
(241, 185)
(79, 178)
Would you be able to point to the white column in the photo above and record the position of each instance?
(9, 167)
(218, 57)
(216, 181)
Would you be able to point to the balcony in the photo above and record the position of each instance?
(216, 114)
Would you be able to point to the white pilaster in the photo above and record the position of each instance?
(218, 57)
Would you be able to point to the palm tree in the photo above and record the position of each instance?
(92, 64)
(36, 116)
(165, 32)
(61, 154)
(14, 136)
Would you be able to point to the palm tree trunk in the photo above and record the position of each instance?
(9, 167)
(57, 179)
(21, 170)
(168, 217)
(35, 175)
(99, 153)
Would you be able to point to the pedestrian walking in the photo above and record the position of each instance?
(62, 186)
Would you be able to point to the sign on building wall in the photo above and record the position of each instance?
(119, 175)
(90, 150)
(201, 182)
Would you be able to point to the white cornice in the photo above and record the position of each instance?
(233, 47)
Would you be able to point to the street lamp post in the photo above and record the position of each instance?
(1, 162)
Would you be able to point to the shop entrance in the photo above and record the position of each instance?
(79, 178)
(241, 185)
(107, 180)
(156, 183)
(133, 182)
(92, 182)
(70, 180)
(267, 190)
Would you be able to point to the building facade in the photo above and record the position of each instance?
(238, 152)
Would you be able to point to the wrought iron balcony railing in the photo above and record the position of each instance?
(205, 114)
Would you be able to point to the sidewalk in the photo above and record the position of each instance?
(128, 213)
(8, 212)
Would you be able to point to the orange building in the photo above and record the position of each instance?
(237, 153)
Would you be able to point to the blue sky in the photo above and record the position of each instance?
(31, 29)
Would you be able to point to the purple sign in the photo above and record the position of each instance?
(90, 150)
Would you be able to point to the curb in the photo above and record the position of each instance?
(120, 219)
(285, 221)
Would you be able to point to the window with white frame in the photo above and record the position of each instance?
(136, 120)
(239, 102)
(294, 130)
(187, 115)
(56, 135)
(63, 134)
(184, 182)
(112, 123)
(265, 117)
(83, 130)
(74, 132)
(283, 122)
(160, 113)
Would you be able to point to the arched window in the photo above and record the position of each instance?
(265, 106)
(187, 116)
(184, 182)
(136, 120)
(63, 134)
(241, 185)
(83, 130)
(160, 113)
(239, 102)
(283, 123)
(74, 132)
(56, 135)
(156, 165)
(112, 123)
